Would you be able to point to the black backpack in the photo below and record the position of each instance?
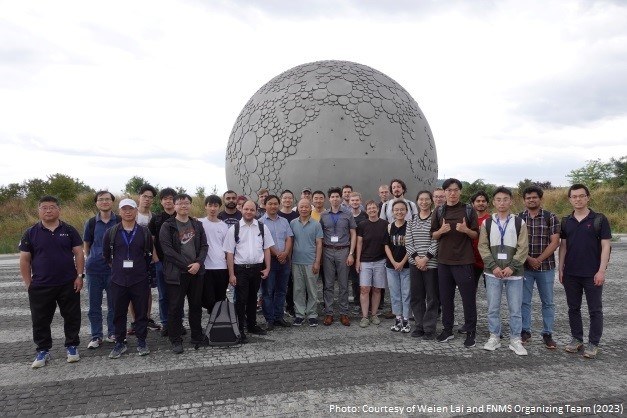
(517, 224)
(223, 329)
(596, 223)
(261, 231)
(439, 213)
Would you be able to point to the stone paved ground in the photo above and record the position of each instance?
(320, 371)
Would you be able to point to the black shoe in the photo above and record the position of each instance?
(177, 348)
(445, 336)
(269, 326)
(164, 331)
(470, 339)
(429, 336)
(257, 330)
(204, 342)
(417, 333)
(152, 325)
(242, 338)
(462, 329)
(183, 331)
(282, 323)
(525, 336)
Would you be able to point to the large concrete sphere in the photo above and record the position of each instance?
(330, 123)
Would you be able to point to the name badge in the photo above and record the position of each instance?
(127, 264)
(335, 239)
(502, 256)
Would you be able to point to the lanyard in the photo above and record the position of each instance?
(128, 241)
(502, 230)
(335, 217)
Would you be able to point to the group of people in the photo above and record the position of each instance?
(273, 253)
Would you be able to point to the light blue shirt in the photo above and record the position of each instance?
(279, 229)
(305, 235)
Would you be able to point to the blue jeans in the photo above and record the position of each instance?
(399, 285)
(514, 292)
(544, 280)
(163, 293)
(96, 284)
(274, 289)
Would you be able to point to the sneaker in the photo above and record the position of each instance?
(429, 336)
(417, 333)
(548, 341)
(94, 343)
(118, 350)
(72, 354)
(574, 345)
(374, 320)
(143, 350)
(42, 358)
(257, 330)
(517, 347)
(177, 348)
(445, 336)
(389, 315)
(398, 324)
(364, 322)
(462, 329)
(406, 327)
(493, 343)
(298, 322)
(525, 336)
(152, 325)
(470, 339)
(313, 322)
(110, 339)
(591, 351)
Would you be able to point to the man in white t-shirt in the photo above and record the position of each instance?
(216, 278)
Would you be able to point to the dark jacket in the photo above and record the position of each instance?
(127, 277)
(155, 227)
(173, 262)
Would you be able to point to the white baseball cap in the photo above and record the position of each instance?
(128, 202)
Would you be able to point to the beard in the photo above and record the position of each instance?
(230, 205)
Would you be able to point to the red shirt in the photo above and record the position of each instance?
(475, 243)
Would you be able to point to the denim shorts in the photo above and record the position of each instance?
(373, 274)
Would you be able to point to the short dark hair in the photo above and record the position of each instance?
(502, 189)
(423, 192)
(182, 196)
(101, 192)
(401, 182)
(397, 201)
(167, 192)
(371, 202)
(334, 190)
(318, 192)
(48, 198)
(229, 192)
(578, 186)
(273, 196)
(450, 181)
(533, 189)
(147, 188)
(347, 186)
(287, 191)
(479, 193)
(213, 200)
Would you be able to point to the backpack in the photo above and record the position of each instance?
(544, 213)
(223, 329)
(439, 213)
(261, 231)
(517, 224)
(150, 266)
(596, 223)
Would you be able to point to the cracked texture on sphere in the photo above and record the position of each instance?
(330, 123)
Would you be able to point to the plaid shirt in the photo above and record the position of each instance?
(540, 230)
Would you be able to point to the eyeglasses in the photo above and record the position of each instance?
(578, 196)
(183, 204)
(452, 190)
(104, 199)
(147, 196)
(48, 208)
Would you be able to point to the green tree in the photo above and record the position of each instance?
(471, 188)
(65, 187)
(544, 185)
(200, 192)
(11, 191)
(133, 184)
(619, 171)
(593, 174)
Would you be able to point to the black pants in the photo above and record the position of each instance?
(214, 288)
(43, 302)
(424, 298)
(575, 287)
(248, 281)
(121, 296)
(289, 296)
(189, 286)
(463, 277)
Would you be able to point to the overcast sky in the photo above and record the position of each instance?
(103, 91)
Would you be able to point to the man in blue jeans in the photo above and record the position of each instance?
(274, 288)
(98, 269)
(544, 238)
(584, 256)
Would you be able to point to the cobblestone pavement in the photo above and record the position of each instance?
(319, 371)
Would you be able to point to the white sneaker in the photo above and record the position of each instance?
(43, 357)
(517, 347)
(493, 343)
(94, 343)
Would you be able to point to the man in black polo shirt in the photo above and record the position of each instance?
(166, 197)
(230, 215)
(584, 256)
(51, 265)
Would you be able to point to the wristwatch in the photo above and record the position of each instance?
(81, 276)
